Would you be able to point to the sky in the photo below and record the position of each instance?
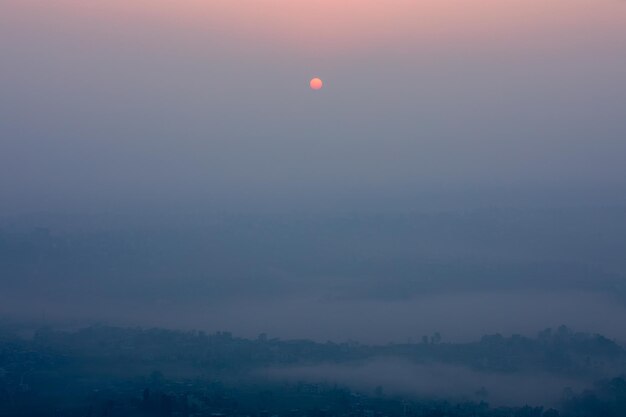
(133, 133)
(127, 105)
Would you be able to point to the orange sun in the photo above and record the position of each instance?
(316, 84)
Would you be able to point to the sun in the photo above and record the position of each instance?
(316, 84)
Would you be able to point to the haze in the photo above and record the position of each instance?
(460, 154)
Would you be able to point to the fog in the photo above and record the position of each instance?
(174, 196)
(458, 317)
(436, 380)
(373, 278)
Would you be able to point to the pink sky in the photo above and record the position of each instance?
(330, 26)
(434, 91)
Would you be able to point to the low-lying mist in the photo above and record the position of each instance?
(391, 376)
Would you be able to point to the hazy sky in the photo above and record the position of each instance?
(115, 104)
(146, 107)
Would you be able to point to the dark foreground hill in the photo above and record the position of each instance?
(109, 371)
